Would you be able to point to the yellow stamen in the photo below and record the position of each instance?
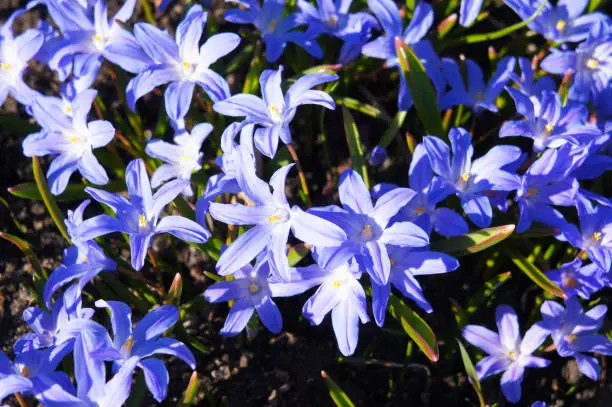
(25, 372)
(549, 128)
(465, 177)
(597, 236)
(5, 66)
(272, 25)
(129, 344)
(592, 63)
(275, 112)
(68, 109)
(253, 288)
(571, 338)
(337, 284)
(74, 139)
(142, 221)
(531, 192)
(96, 38)
(420, 210)
(367, 231)
(561, 24)
(274, 218)
(333, 20)
(570, 282)
(391, 261)
(512, 354)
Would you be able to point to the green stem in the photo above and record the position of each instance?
(148, 12)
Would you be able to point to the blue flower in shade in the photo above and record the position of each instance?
(368, 227)
(430, 190)
(15, 52)
(590, 63)
(546, 182)
(81, 262)
(31, 374)
(595, 234)
(548, 122)
(181, 159)
(252, 290)
(231, 164)
(332, 17)
(341, 293)
(471, 180)
(576, 279)
(141, 343)
(468, 11)
(46, 325)
(273, 112)
(406, 264)
(183, 63)
(70, 138)
(383, 47)
(273, 218)
(140, 216)
(574, 332)
(276, 29)
(89, 39)
(378, 156)
(508, 353)
(527, 82)
(561, 23)
(478, 95)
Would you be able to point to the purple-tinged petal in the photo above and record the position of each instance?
(390, 203)
(243, 249)
(492, 365)
(511, 382)
(243, 105)
(238, 317)
(508, 327)
(354, 194)
(269, 315)
(139, 244)
(483, 338)
(217, 47)
(321, 303)
(478, 209)
(405, 234)
(156, 377)
(468, 11)
(121, 320)
(183, 228)
(155, 323)
(314, 230)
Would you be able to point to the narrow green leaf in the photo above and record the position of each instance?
(393, 129)
(534, 273)
(471, 372)
(475, 38)
(73, 192)
(251, 82)
(421, 89)
(191, 391)
(361, 107)
(27, 250)
(337, 394)
(354, 143)
(415, 327)
(473, 242)
(323, 69)
(48, 198)
(460, 315)
(486, 291)
(297, 253)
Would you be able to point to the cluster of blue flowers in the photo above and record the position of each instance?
(383, 233)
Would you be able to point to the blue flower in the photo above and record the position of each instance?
(468, 11)
(276, 30)
(89, 39)
(332, 17)
(141, 343)
(478, 95)
(383, 47)
(547, 182)
(527, 82)
(368, 227)
(576, 279)
(471, 180)
(82, 261)
(273, 112)
(595, 234)
(548, 122)
(562, 23)
(590, 63)
(508, 353)
(140, 216)
(68, 136)
(378, 156)
(340, 293)
(273, 219)
(182, 63)
(574, 332)
(15, 52)
(181, 159)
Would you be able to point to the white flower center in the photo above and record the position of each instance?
(276, 113)
(99, 42)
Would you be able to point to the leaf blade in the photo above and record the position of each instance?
(473, 242)
(534, 273)
(336, 393)
(48, 198)
(354, 143)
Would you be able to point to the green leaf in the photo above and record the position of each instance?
(354, 143)
(251, 82)
(73, 192)
(534, 273)
(297, 253)
(486, 291)
(337, 394)
(471, 372)
(48, 198)
(475, 38)
(393, 129)
(460, 315)
(27, 250)
(415, 327)
(191, 391)
(473, 242)
(361, 107)
(421, 89)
